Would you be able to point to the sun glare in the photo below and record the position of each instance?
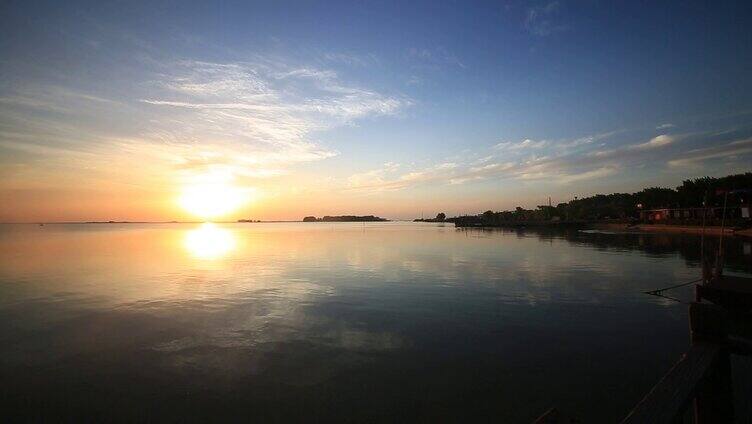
(209, 242)
(212, 200)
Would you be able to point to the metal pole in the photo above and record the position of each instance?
(719, 258)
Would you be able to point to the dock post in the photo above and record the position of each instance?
(714, 396)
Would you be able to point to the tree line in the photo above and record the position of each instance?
(696, 192)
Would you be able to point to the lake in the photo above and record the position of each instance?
(347, 322)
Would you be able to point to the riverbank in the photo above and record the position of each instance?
(473, 221)
(611, 226)
(685, 229)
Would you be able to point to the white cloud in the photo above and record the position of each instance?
(262, 113)
(492, 167)
(522, 145)
(665, 126)
(655, 142)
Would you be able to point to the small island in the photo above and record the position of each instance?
(345, 218)
(441, 217)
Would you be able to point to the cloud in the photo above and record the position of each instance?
(452, 173)
(529, 161)
(587, 140)
(522, 145)
(540, 20)
(562, 161)
(729, 150)
(665, 126)
(262, 113)
(354, 60)
(507, 160)
(625, 151)
(388, 179)
(241, 121)
(655, 142)
(587, 175)
(316, 74)
(54, 99)
(493, 167)
(434, 57)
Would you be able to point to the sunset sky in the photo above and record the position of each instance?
(164, 110)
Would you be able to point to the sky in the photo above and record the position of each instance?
(158, 110)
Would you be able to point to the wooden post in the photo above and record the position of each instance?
(552, 416)
(698, 297)
(714, 401)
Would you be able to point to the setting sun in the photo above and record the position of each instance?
(212, 200)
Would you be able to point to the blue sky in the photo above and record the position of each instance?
(391, 108)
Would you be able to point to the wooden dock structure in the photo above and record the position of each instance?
(731, 292)
(702, 377)
(700, 383)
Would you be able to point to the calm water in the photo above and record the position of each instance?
(378, 322)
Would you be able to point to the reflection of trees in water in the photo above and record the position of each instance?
(737, 251)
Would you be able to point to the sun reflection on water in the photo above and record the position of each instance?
(209, 242)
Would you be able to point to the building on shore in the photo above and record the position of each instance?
(741, 212)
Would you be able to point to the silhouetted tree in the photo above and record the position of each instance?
(624, 205)
(441, 216)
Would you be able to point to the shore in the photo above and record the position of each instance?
(622, 227)
(673, 229)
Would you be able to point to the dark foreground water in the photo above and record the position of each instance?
(346, 322)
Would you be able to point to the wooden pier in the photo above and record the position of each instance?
(733, 293)
(700, 383)
(702, 377)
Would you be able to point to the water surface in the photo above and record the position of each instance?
(322, 321)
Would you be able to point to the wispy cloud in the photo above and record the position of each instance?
(587, 140)
(563, 161)
(540, 20)
(560, 170)
(625, 151)
(436, 56)
(587, 175)
(655, 142)
(728, 150)
(388, 178)
(261, 113)
(356, 60)
(525, 144)
(556, 171)
(240, 120)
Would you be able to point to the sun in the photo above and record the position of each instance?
(212, 199)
